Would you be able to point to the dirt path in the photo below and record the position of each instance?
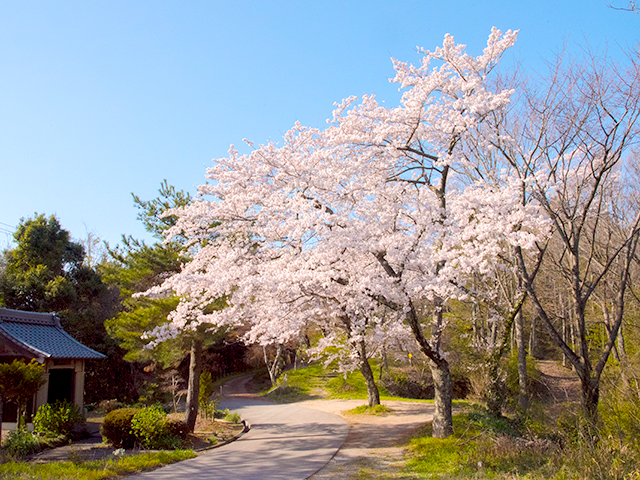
(562, 385)
(375, 443)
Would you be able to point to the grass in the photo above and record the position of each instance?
(94, 470)
(483, 448)
(315, 381)
(367, 410)
(301, 384)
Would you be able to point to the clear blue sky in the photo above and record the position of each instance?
(101, 99)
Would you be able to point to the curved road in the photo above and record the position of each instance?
(285, 442)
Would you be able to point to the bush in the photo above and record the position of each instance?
(233, 418)
(57, 419)
(220, 413)
(177, 428)
(22, 443)
(149, 425)
(116, 428)
(408, 385)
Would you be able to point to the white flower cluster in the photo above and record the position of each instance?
(346, 227)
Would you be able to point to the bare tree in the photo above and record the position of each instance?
(566, 138)
(580, 128)
(632, 7)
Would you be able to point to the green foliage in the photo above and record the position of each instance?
(177, 428)
(135, 267)
(21, 443)
(350, 386)
(408, 385)
(116, 428)
(233, 417)
(57, 419)
(19, 382)
(221, 413)
(206, 389)
(39, 271)
(46, 272)
(128, 327)
(533, 376)
(149, 425)
(151, 211)
(94, 470)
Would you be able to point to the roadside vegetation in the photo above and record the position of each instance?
(116, 467)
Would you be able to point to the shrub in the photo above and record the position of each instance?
(57, 419)
(22, 443)
(233, 418)
(177, 428)
(206, 389)
(220, 413)
(408, 385)
(116, 427)
(149, 425)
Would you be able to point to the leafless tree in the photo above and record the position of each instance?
(567, 137)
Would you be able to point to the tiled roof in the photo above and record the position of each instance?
(41, 334)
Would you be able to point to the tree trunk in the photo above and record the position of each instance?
(1, 412)
(274, 367)
(193, 393)
(443, 388)
(495, 394)
(590, 398)
(373, 395)
(523, 394)
(442, 384)
(532, 337)
(622, 349)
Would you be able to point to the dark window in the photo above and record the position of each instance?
(60, 385)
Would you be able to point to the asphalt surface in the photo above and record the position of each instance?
(285, 442)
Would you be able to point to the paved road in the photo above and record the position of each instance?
(285, 442)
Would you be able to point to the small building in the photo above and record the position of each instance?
(30, 335)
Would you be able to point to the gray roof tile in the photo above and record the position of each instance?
(42, 334)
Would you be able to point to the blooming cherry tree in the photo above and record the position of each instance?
(372, 212)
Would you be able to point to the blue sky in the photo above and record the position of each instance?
(101, 99)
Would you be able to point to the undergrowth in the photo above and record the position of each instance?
(482, 447)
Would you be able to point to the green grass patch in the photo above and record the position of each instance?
(297, 385)
(94, 470)
(367, 410)
(314, 381)
(482, 447)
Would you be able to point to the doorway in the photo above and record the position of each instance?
(60, 385)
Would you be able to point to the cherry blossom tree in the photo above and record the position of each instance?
(374, 211)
